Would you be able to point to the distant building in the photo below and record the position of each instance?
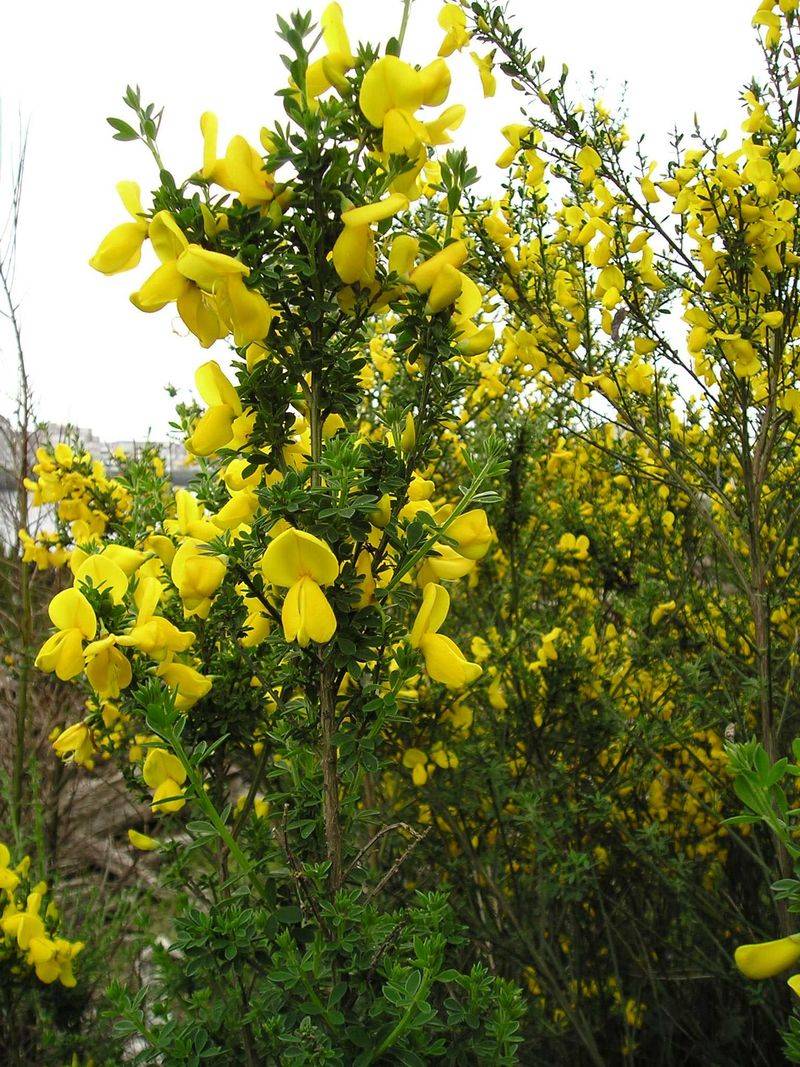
(173, 452)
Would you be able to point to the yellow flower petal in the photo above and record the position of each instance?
(354, 255)
(70, 609)
(381, 209)
(446, 663)
(432, 612)
(768, 958)
(103, 574)
(295, 554)
(306, 614)
(160, 766)
(120, 250)
(142, 841)
(390, 83)
(205, 268)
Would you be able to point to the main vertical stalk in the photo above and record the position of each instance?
(327, 696)
(330, 778)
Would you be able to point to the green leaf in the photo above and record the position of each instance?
(125, 132)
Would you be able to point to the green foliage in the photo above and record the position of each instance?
(358, 985)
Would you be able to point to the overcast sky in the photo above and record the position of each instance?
(95, 360)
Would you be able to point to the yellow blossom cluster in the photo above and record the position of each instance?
(30, 926)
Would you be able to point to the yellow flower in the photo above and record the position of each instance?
(52, 959)
(243, 311)
(121, 249)
(100, 572)
(143, 842)
(375, 212)
(402, 254)
(75, 620)
(190, 518)
(127, 559)
(768, 958)
(189, 684)
(444, 661)
(660, 610)
(107, 669)
(257, 623)
(485, 65)
(354, 250)
(9, 880)
(166, 284)
(75, 741)
(589, 162)
(354, 255)
(214, 429)
(392, 91)
(445, 290)
(513, 134)
(164, 774)
(331, 69)
(302, 563)
(157, 637)
(415, 759)
(424, 276)
(472, 532)
(238, 511)
(242, 170)
(197, 575)
(639, 377)
(453, 20)
(25, 925)
(444, 564)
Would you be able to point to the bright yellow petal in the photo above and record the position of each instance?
(381, 209)
(166, 237)
(447, 565)
(354, 255)
(403, 253)
(127, 559)
(245, 170)
(209, 126)
(307, 615)
(120, 250)
(445, 289)
(426, 273)
(435, 83)
(214, 387)
(102, 573)
(768, 958)
(62, 653)
(131, 196)
(212, 431)
(164, 285)
(446, 663)
(390, 83)
(432, 613)
(473, 533)
(317, 81)
(295, 554)
(245, 311)
(198, 311)
(161, 765)
(439, 130)
(204, 267)
(334, 34)
(167, 797)
(402, 133)
(70, 609)
(142, 842)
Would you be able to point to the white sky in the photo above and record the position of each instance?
(96, 361)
